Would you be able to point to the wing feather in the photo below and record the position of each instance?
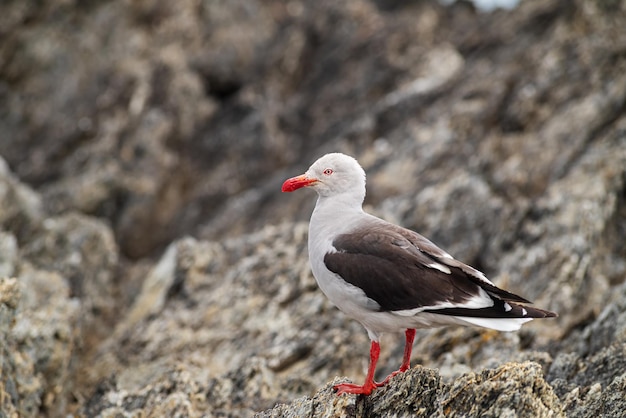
(404, 272)
(399, 277)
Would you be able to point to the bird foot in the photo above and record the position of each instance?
(365, 389)
(388, 378)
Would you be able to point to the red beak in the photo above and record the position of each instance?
(295, 183)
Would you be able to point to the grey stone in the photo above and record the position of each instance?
(150, 266)
(510, 390)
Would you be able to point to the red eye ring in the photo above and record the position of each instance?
(328, 172)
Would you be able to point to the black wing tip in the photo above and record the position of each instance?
(502, 294)
(540, 313)
(523, 311)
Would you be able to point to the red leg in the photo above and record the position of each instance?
(408, 348)
(406, 360)
(369, 384)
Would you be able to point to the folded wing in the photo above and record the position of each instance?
(405, 273)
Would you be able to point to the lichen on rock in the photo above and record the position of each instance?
(149, 264)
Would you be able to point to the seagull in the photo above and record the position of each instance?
(389, 278)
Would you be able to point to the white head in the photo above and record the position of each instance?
(332, 175)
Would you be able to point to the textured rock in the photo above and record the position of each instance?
(83, 251)
(236, 306)
(44, 337)
(59, 298)
(588, 372)
(500, 136)
(509, 391)
(37, 333)
(21, 209)
(11, 373)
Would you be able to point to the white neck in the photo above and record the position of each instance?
(333, 215)
(346, 201)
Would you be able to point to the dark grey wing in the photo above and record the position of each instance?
(425, 246)
(403, 271)
(392, 272)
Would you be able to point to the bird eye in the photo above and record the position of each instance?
(328, 171)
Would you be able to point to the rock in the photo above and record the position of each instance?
(83, 251)
(8, 254)
(58, 301)
(150, 265)
(248, 290)
(510, 390)
(44, 339)
(21, 208)
(37, 322)
(586, 373)
(11, 372)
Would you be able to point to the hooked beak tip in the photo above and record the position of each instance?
(296, 183)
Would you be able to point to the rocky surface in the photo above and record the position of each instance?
(149, 265)
(510, 390)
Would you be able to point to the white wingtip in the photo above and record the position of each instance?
(499, 324)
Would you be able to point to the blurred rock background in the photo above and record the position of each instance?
(150, 264)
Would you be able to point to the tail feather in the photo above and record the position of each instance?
(502, 316)
(500, 309)
(499, 324)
